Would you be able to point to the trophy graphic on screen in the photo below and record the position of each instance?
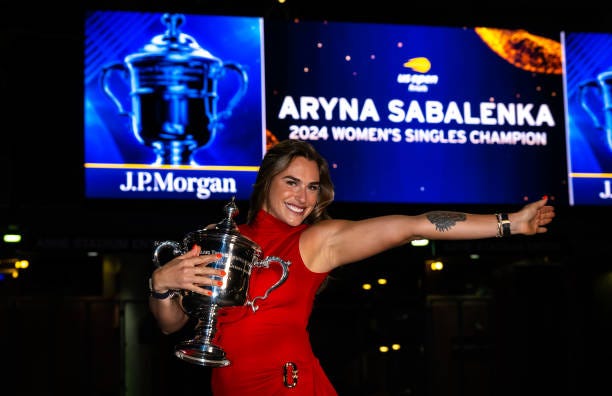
(173, 86)
(602, 85)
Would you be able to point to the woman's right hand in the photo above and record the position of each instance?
(189, 271)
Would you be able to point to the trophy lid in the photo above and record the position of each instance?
(225, 231)
(174, 42)
(228, 224)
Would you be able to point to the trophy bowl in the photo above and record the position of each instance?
(239, 255)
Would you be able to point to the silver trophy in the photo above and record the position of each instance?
(239, 256)
(173, 89)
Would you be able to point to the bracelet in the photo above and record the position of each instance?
(503, 225)
(160, 296)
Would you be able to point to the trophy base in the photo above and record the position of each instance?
(201, 354)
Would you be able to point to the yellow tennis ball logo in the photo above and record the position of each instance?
(421, 64)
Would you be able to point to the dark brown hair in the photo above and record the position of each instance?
(276, 160)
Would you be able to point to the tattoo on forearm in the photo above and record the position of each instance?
(444, 221)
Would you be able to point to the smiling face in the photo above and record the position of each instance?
(294, 192)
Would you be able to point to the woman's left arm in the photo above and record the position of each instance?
(332, 243)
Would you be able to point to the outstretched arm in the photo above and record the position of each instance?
(333, 243)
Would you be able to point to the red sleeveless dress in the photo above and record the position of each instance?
(266, 347)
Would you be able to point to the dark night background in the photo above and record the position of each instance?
(531, 316)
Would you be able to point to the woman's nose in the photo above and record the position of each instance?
(300, 194)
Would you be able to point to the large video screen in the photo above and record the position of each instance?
(588, 75)
(403, 113)
(173, 105)
(422, 114)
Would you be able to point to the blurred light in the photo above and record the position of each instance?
(92, 254)
(396, 347)
(12, 238)
(383, 348)
(22, 264)
(382, 281)
(366, 286)
(436, 265)
(14, 273)
(12, 266)
(474, 256)
(420, 242)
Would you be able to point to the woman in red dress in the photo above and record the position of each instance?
(269, 349)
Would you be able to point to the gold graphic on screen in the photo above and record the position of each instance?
(421, 64)
(271, 140)
(523, 49)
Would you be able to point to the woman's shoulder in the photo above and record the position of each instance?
(324, 229)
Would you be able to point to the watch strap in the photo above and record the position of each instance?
(160, 296)
(505, 223)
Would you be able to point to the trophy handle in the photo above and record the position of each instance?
(266, 263)
(104, 84)
(239, 94)
(177, 250)
(584, 88)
